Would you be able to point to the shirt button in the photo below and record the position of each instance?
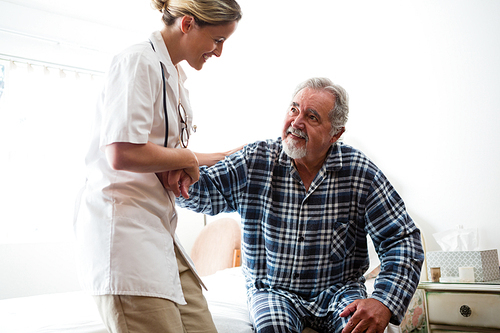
(296, 275)
(301, 238)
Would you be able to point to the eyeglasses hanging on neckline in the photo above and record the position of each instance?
(184, 133)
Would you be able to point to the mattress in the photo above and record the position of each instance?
(76, 312)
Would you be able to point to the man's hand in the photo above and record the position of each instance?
(177, 181)
(210, 159)
(369, 315)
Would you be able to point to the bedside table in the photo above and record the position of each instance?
(462, 307)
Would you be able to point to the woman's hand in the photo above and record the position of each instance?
(177, 181)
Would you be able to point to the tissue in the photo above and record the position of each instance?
(458, 239)
(460, 250)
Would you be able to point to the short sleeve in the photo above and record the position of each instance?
(127, 104)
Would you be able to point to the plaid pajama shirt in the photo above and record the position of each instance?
(310, 246)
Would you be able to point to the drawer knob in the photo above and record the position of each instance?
(465, 311)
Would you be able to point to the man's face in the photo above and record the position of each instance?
(306, 131)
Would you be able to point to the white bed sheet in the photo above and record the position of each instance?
(226, 298)
(53, 313)
(75, 312)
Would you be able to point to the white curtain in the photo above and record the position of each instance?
(45, 117)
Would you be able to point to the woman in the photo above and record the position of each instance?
(130, 260)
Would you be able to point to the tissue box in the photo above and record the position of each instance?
(485, 263)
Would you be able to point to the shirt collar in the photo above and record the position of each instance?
(334, 159)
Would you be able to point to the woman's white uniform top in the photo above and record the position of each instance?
(125, 226)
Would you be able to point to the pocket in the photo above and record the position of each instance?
(343, 239)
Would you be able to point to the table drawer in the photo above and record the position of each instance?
(454, 331)
(464, 309)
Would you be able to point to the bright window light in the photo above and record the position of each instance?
(44, 132)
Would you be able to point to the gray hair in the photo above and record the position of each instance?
(340, 112)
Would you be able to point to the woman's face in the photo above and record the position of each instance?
(204, 42)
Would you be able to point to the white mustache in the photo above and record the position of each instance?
(297, 132)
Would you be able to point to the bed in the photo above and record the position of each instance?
(216, 254)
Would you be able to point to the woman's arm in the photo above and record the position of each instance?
(144, 158)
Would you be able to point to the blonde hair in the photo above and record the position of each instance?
(205, 12)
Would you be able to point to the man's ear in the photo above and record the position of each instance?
(338, 135)
(187, 23)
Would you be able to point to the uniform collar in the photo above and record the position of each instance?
(164, 56)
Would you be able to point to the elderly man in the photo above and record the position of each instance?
(307, 204)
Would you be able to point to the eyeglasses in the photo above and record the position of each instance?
(184, 134)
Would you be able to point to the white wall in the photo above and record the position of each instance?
(72, 33)
(35, 269)
(423, 79)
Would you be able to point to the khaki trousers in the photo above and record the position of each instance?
(139, 314)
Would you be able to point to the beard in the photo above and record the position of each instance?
(290, 145)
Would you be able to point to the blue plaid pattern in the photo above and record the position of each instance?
(310, 246)
(275, 313)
